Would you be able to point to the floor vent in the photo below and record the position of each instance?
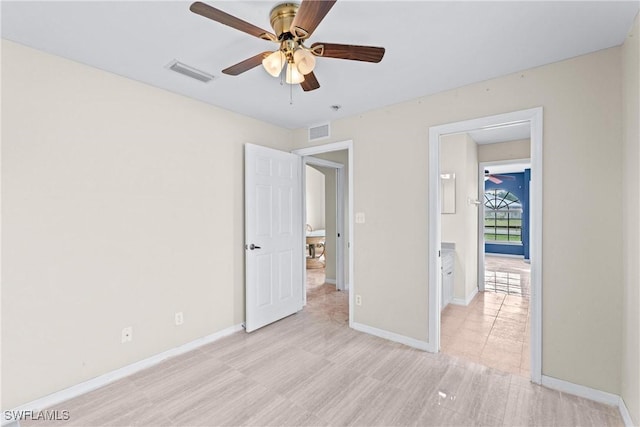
(319, 132)
(188, 71)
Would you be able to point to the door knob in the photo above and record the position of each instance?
(252, 246)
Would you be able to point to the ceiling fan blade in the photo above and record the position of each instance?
(503, 177)
(348, 51)
(246, 65)
(230, 20)
(309, 15)
(494, 179)
(310, 82)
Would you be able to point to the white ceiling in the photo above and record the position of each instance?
(430, 47)
(502, 133)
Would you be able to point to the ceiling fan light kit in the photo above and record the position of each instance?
(293, 75)
(293, 24)
(274, 63)
(304, 60)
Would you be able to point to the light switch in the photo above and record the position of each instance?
(360, 218)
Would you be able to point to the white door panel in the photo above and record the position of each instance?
(273, 228)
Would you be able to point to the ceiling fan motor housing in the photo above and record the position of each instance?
(281, 18)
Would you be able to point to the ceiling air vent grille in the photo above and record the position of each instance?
(188, 71)
(319, 132)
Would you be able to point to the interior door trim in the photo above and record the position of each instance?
(327, 148)
(535, 118)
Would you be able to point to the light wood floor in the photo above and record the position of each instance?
(311, 369)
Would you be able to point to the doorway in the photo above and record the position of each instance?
(488, 321)
(513, 238)
(325, 293)
(533, 118)
(335, 162)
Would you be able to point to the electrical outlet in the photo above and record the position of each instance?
(127, 334)
(179, 318)
(358, 300)
(360, 219)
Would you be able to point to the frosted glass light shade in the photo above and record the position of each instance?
(305, 61)
(274, 62)
(293, 75)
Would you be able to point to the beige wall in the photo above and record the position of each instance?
(471, 191)
(510, 150)
(315, 200)
(330, 228)
(122, 204)
(582, 279)
(631, 223)
(458, 154)
(340, 156)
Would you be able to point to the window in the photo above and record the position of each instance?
(502, 216)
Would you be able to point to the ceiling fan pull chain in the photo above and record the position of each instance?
(282, 76)
(281, 73)
(290, 94)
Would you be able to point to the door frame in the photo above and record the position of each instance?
(481, 242)
(339, 214)
(535, 117)
(327, 148)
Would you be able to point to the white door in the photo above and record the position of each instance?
(273, 233)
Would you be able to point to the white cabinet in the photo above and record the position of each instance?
(448, 252)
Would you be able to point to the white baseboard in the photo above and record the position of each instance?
(592, 394)
(503, 255)
(624, 412)
(330, 281)
(392, 336)
(581, 390)
(467, 300)
(109, 377)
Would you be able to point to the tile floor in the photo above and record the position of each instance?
(494, 328)
(511, 276)
(311, 370)
(324, 301)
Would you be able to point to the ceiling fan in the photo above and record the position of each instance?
(292, 24)
(496, 179)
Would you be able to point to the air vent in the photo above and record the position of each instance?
(188, 71)
(319, 132)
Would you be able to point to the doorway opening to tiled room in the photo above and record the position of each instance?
(494, 329)
(324, 301)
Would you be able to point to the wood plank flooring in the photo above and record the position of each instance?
(310, 369)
